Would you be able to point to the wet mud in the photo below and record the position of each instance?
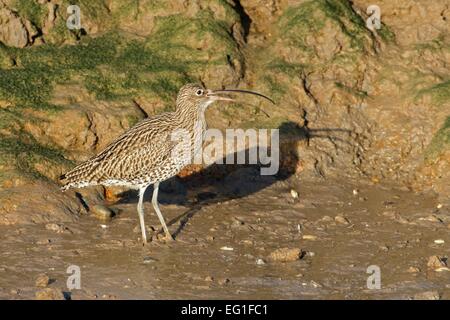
(327, 235)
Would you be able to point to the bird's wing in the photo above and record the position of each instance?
(148, 141)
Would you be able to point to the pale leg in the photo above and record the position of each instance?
(140, 209)
(158, 212)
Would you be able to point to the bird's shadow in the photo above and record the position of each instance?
(222, 182)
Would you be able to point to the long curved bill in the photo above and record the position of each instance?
(216, 94)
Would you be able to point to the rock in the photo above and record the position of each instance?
(149, 260)
(260, 262)
(294, 194)
(285, 255)
(309, 237)
(341, 219)
(439, 241)
(247, 242)
(44, 241)
(436, 262)
(237, 223)
(58, 228)
(15, 291)
(413, 270)
(326, 219)
(42, 280)
(427, 295)
(50, 294)
(13, 31)
(102, 213)
(224, 281)
(312, 284)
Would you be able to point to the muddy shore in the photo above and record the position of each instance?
(223, 247)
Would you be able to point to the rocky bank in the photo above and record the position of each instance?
(351, 102)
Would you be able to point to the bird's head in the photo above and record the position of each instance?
(197, 97)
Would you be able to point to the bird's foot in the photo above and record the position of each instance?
(144, 242)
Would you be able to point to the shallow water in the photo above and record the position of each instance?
(388, 227)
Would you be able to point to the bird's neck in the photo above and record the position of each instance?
(191, 117)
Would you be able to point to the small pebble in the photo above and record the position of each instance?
(50, 294)
(439, 241)
(43, 241)
(285, 255)
(341, 219)
(327, 219)
(101, 212)
(309, 237)
(237, 223)
(439, 206)
(246, 242)
(42, 280)
(294, 194)
(225, 248)
(58, 228)
(312, 283)
(413, 270)
(148, 260)
(260, 262)
(224, 281)
(355, 192)
(436, 262)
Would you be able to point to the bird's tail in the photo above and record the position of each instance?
(81, 176)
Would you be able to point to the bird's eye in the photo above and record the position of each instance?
(199, 92)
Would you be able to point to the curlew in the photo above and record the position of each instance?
(147, 155)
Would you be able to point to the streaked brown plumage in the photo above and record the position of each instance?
(145, 153)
